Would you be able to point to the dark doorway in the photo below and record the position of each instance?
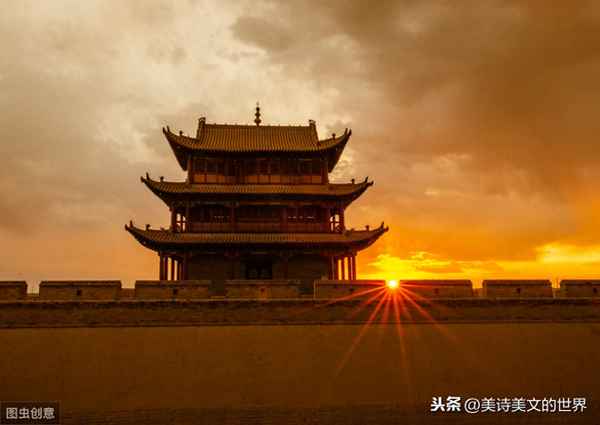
(259, 269)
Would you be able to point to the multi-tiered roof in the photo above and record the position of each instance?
(277, 171)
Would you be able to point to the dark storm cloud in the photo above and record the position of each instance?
(504, 92)
(518, 78)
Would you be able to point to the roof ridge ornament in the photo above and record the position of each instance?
(257, 120)
(201, 122)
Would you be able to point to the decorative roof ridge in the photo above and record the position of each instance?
(381, 229)
(333, 140)
(251, 139)
(249, 126)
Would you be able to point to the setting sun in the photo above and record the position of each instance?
(392, 284)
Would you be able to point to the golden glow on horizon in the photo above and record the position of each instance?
(564, 253)
(392, 284)
(552, 261)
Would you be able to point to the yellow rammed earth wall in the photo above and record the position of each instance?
(391, 371)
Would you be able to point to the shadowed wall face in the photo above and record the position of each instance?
(297, 367)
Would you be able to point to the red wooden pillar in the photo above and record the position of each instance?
(286, 258)
(231, 258)
(331, 268)
(184, 266)
(166, 267)
(350, 267)
(161, 269)
(284, 218)
(347, 261)
(171, 268)
(354, 266)
(187, 217)
(343, 262)
(335, 268)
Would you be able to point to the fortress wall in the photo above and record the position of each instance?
(428, 288)
(82, 290)
(13, 290)
(517, 288)
(296, 361)
(262, 289)
(182, 289)
(285, 370)
(580, 288)
(355, 289)
(178, 312)
(294, 288)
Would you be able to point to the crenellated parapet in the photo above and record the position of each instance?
(291, 289)
(528, 288)
(13, 290)
(80, 290)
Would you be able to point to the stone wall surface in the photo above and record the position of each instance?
(517, 288)
(354, 289)
(13, 290)
(182, 289)
(181, 312)
(80, 290)
(580, 288)
(262, 289)
(438, 288)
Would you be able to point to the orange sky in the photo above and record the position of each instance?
(477, 121)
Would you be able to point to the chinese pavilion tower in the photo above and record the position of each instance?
(257, 204)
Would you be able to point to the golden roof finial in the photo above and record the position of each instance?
(257, 120)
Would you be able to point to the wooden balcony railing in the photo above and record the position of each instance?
(243, 227)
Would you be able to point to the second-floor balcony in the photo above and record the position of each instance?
(251, 227)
